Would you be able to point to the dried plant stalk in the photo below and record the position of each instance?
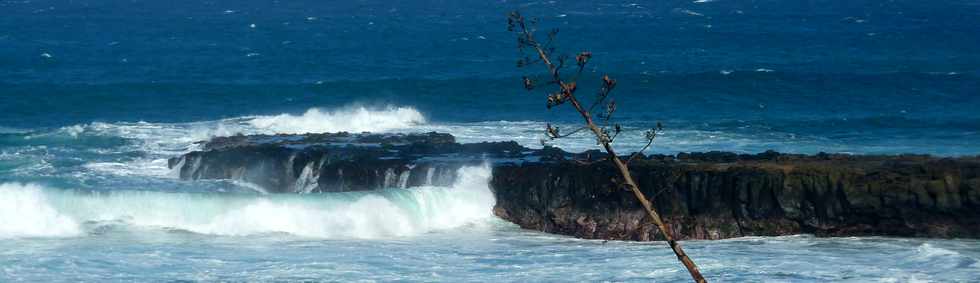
(544, 54)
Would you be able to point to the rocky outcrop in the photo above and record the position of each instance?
(701, 195)
(724, 195)
(338, 162)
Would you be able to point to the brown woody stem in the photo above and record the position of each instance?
(623, 168)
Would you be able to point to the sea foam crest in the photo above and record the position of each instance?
(929, 252)
(393, 213)
(26, 212)
(350, 119)
(33, 211)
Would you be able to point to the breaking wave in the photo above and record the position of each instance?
(35, 211)
(26, 212)
(350, 119)
(142, 148)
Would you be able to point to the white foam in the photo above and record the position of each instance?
(29, 210)
(73, 131)
(928, 252)
(351, 119)
(467, 201)
(906, 278)
(689, 12)
(6, 130)
(159, 141)
(26, 212)
(370, 216)
(530, 133)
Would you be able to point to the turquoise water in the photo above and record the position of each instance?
(96, 95)
(419, 234)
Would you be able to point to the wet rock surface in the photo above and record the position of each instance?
(712, 195)
(724, 195)
(339, 162)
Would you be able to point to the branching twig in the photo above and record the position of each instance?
(566, 93)
(554, 133)
(650, 135)
(637, 153)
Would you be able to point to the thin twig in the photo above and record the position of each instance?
(567, 92)
(637, 153)
(572, 133)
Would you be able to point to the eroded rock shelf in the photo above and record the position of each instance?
(703, 195)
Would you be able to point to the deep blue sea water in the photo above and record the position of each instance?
(96, 95)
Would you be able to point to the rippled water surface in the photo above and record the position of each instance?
(486, 251)
(95, 96)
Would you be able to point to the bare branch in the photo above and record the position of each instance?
(552, 132)
(650, 136)
(610, 109)
(566, 92)
(581, 59)
(607, 86)
(637, 153)
(570, 133)
(575, 131)
(528, 84)
(616, 130)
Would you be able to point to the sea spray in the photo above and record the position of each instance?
(391, 212)
(26, 212)
(350, 119)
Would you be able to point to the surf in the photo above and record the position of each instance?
(348, 119)
(30, 210)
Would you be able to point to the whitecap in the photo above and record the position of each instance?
(34, 211)
(689, 12)
(73, 130)
(26, 212)
(351, 119)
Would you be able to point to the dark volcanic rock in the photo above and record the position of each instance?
(338, 162)
(711, 195)
(716, 196)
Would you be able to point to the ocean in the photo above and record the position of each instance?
(96, 95)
